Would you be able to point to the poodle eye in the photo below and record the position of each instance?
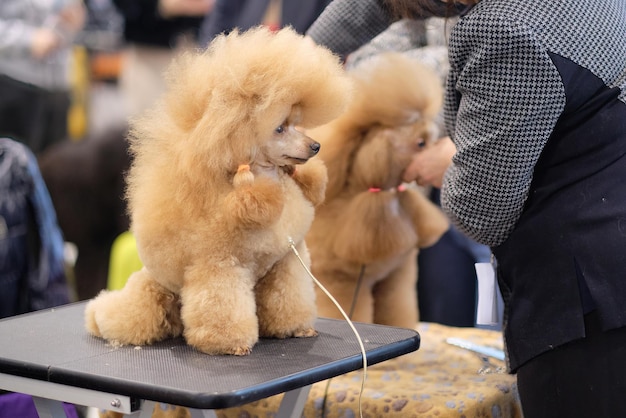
(280, 129)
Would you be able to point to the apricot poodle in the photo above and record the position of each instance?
(365, 237)
(216, 201)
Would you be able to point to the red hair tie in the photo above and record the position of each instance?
(374, 189)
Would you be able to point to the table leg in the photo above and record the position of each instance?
(147, 410)
(49, 408)
(293, 403)
(202, 413)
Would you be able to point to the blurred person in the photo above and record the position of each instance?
(154, 32)
(536, 111)
(36, 39)
(244, 14)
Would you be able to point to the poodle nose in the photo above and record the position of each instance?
(315, 147)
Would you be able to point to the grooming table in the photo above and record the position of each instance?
(48, 354)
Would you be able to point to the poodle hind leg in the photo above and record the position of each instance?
(143, 312)
(219, 311)
(396, 296)
(286, 299)
(343, 287)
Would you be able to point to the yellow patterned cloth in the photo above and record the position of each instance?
(438, 380)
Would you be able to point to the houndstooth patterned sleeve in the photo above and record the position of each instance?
(503, 100)
(345, 25)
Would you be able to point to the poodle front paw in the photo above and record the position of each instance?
(254, 205)
(242, 351)
(282, 333)
(312, 178)
(214, 342)
(211, 349)
(222, 348)
(305, 333)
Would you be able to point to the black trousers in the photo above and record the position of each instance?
(585, 378)
(31, 115)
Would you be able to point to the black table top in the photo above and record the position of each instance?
(53, 345)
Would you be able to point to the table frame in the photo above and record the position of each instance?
(48, 398)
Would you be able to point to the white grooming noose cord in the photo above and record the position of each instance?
(292, 244)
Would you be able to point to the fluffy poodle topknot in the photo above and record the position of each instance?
(244, 85)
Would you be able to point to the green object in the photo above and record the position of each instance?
(124, 261)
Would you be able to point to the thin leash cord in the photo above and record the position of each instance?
(295, 251)
(356, 290)
(350, 314)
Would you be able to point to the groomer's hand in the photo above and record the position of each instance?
(429, 165)
(174, 8)
(44, 41)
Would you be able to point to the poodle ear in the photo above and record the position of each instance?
(428, 219)
(373, 228)
(376, 163)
